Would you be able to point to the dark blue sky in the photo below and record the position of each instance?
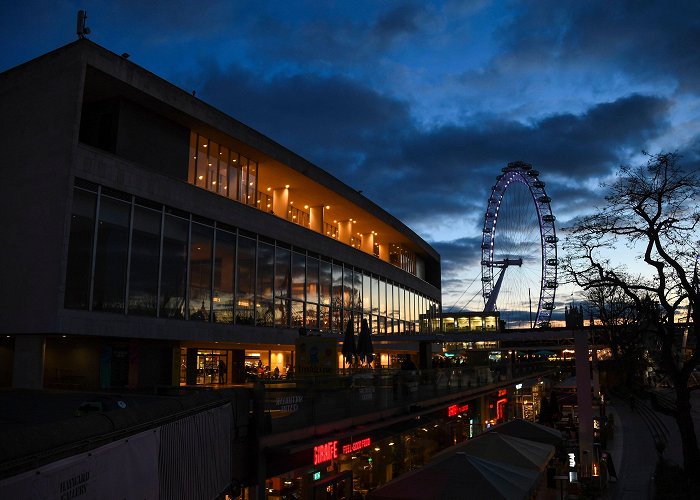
(420, 104)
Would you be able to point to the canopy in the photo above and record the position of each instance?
(507, 450)
(525, 429)
(459, 476)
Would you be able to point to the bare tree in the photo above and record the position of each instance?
(654, 210)
(618, 320)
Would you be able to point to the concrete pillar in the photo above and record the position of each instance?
(28, 366)
(280, 201)
(345, 231)
(384, 252)
(584, 401)
(368, 243)
(316, 218)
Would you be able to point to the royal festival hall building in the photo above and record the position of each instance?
(151, 239)
(186, 284)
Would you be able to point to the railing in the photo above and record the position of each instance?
(290, 405)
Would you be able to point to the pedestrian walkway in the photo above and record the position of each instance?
(634, 450)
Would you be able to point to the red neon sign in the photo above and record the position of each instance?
(356, 445)
(325, 452)
(502, 392)
(453, 410)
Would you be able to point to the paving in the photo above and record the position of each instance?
(633, 447)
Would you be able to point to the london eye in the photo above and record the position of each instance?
(519, 249)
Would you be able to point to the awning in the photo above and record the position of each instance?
(508, 450)
(529, 430)
(459, 476)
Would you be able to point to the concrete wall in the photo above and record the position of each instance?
(40, 106)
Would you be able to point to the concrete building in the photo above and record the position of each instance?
(151, 240)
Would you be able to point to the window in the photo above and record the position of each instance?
(174, 267)
(245, 272)
(109, 291)
(79, 265)
(224, 272)
(201, 245)
(145, 259)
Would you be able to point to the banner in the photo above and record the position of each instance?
(124, 469)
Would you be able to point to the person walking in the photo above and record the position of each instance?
(222, 371)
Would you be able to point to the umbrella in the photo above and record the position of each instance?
(365, 351)
(349, 350)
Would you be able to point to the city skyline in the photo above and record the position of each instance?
(420, 105)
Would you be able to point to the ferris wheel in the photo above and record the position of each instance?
(519, 249)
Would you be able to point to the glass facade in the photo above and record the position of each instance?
(221, 170)
(131, 256)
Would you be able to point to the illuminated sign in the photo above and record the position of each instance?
(325, 452)
(502, 392)
(453, 410)
(356, 445)
(572, 460)
(317, 475)
(518, 387)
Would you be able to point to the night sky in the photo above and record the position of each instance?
(420, 104)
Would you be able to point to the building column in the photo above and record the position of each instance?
(345, 231)
(280, 201)
(316, 218)
(368, 243)
(384, 252)
(584, 403)
(28, 366)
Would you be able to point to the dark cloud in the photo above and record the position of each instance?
(402, 20)
(370, 140)
(648, 40)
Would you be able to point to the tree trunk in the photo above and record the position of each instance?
(684, 419)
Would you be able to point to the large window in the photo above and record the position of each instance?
(145, 261)
(221, 170)
(224, 265)
(174, 266)
(150, 260)
(111, 255)
(264, 300)
(201, 245)
(79, 265)
(245, 289)
(282, 285)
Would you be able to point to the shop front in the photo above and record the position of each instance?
(349, 466)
